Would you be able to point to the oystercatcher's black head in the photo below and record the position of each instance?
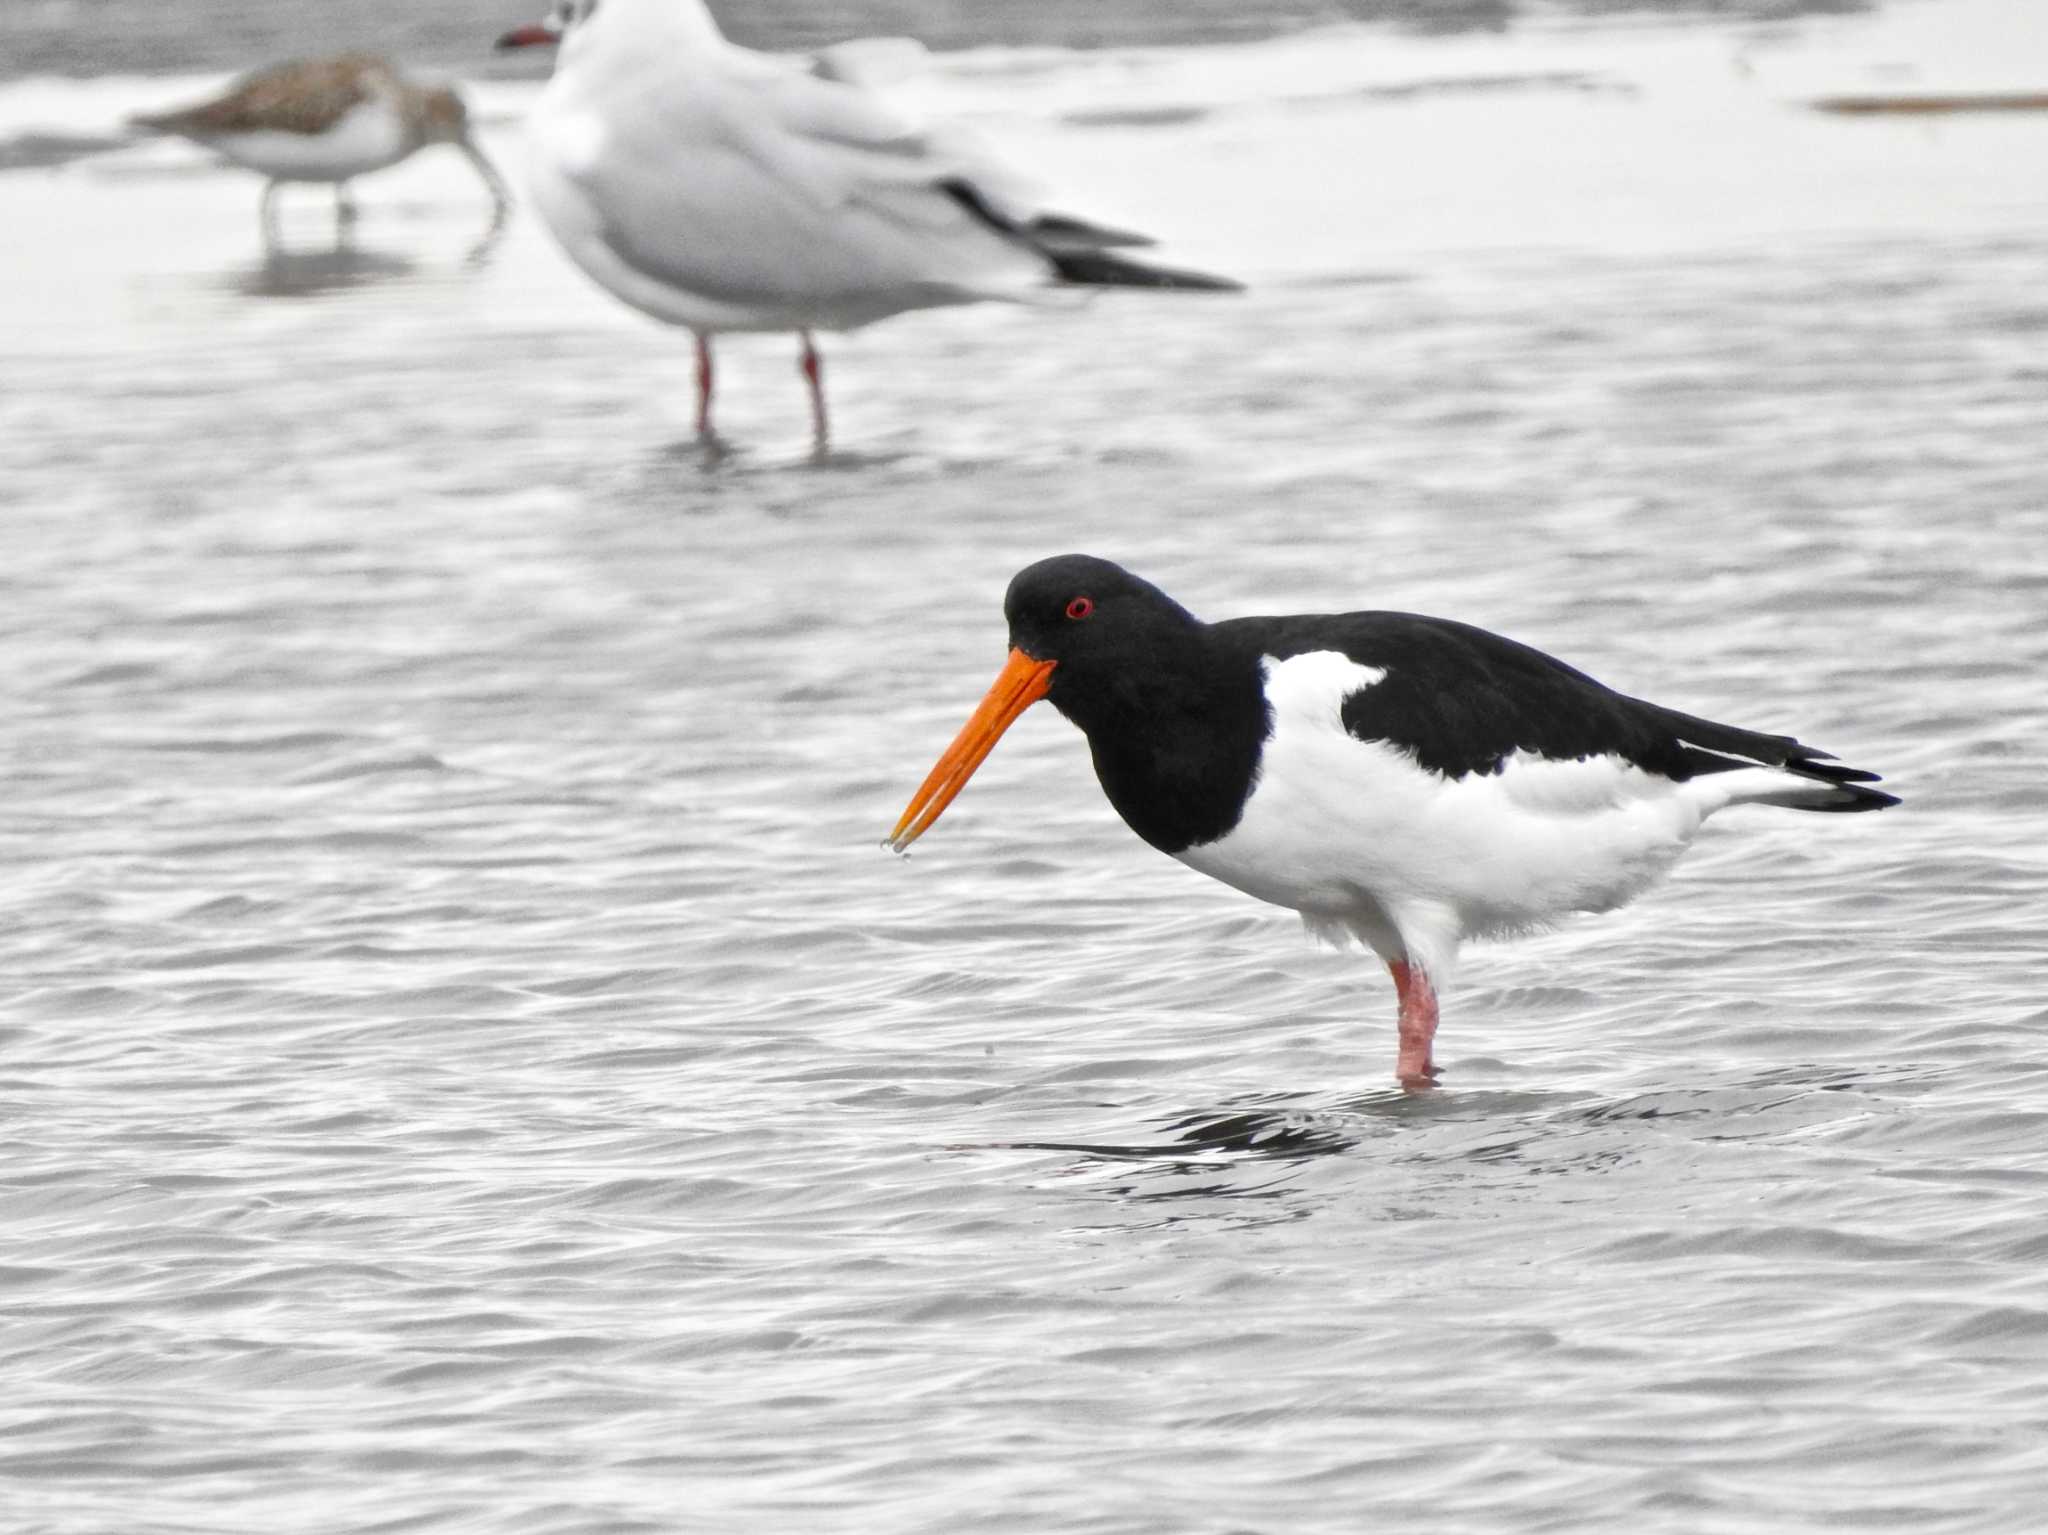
(1094, 620)
(1085, 633)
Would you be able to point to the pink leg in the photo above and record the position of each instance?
(813, 367)
(704, 432)
(1418, 1025)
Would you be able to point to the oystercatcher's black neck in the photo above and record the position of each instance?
(1174, 713)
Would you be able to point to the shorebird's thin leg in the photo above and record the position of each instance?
(268, 213)
(501, 196)
(344, 205)
(1414, 1065)
(813, 367)
(704, 432)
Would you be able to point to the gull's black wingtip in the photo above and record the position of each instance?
(1104, 269)
(1079, 252)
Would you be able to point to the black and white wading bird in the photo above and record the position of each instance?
(1409, 782)
(328, 120)
(721, 189)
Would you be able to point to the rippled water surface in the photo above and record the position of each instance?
(468, 1065)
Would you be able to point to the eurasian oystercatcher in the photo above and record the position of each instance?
(721, 189)
(330, 119)
(1405, 781)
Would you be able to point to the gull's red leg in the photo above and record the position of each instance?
(1413, 1065)
(704, 388)
(813, 367)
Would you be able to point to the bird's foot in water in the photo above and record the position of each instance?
(1424, 1078)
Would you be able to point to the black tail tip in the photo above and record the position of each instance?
(1852, 797)
(1102, 269)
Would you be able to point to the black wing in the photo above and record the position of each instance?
(1462, 700)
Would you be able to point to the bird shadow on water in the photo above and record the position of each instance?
(852, 460)
(283, 273)
(1260, 1149)
(778, 485)
(722, 456)
(1299, 1126)
(1253, 1161)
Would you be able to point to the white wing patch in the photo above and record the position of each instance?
(1318, 797)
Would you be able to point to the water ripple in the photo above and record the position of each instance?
(466, 1064)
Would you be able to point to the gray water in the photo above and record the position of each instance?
(95, 37)
(469, 1067)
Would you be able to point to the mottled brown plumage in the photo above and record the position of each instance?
(299, 96)
(327, 120)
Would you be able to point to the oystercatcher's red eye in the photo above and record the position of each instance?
(1080, 607)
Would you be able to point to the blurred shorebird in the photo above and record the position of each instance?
(1405, 782)
(331, 120)
(721, 189)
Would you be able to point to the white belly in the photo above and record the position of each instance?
(1363, 841)
(366, 138)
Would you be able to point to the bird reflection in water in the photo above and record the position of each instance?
(286, 273)
(1281, 1127)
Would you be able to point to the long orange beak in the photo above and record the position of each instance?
(1021, 684)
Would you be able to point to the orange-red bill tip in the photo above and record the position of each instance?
(534, 36)
(1020, 684)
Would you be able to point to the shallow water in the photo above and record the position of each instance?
(96, 37)
(468, 1065)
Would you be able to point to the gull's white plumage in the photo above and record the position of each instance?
(721, 189)
(724, 190)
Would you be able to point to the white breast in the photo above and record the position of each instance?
(570, 140)
(1365, 842)
(366, 138)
